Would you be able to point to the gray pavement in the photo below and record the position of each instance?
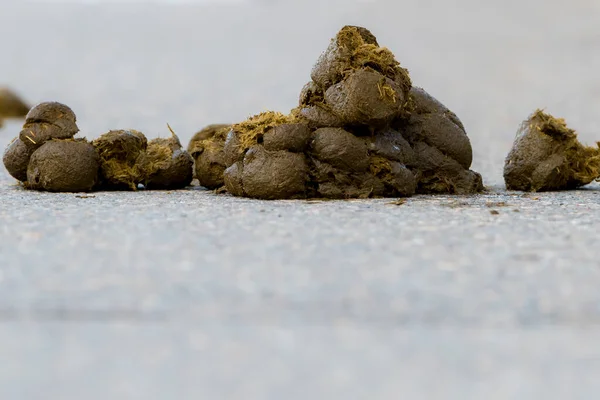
(190, 294)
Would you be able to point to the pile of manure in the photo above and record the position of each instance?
(46, 156)
(361, 129)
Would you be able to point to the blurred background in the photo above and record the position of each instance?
(143, 64)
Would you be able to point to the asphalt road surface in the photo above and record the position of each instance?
(194, 295)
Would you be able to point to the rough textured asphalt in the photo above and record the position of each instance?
(189, 294)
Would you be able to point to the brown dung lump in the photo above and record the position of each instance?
(267, 174)
(443, 153)
(46, 121)
(122, 159)
(205, 133)
(168, 165)
(16, 158)
(206, 148)
(63, 166)
(546, 155)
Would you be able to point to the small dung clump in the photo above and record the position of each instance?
(206, 133)
(206, 148)
(546, 155)
(122, 159)
(63, 166)
(46, 121)
(443, 153)
(355, 82)
(16, 158)
(266, 159)
(361, 130)
(168, 165)
(365, 97)
(292, 137)
(11, 105)
(268, 174)
(251, 132)
(355, 49)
